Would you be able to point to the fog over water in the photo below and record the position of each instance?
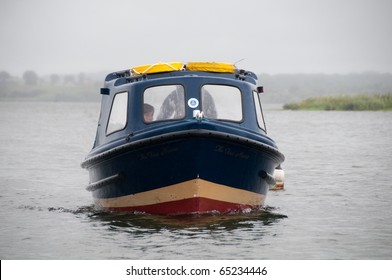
(264, 36)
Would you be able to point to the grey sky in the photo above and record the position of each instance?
(272, 36)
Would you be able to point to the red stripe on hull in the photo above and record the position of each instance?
(185, 206)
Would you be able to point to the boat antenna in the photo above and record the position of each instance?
(238, 61)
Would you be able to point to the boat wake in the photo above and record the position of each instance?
(211, 221)
(137, 220)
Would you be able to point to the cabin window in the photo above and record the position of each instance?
(259, 111)
(166, 102)
(221, 102)
(118, 113)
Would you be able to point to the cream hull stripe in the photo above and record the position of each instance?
(185, 190)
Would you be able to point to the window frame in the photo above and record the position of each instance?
(124, 125)
(224, 85)
(259, 108)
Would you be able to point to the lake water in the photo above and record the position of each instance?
(337, 202)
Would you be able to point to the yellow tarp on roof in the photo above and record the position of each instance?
(219, 67)
(157, 68)
(160, 67)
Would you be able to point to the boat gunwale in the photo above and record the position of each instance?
(200, 133)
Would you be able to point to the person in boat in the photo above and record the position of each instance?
(148, 112)
(208, 103)
(173, 105)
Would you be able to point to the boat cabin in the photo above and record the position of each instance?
(160, 96)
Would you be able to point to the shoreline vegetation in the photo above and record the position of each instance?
(379, 102)
(363, 91)
(54, 88)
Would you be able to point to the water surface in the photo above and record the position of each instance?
(336, 205)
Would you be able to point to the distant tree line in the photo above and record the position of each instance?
(284, 88)
(279, 88)
(54, 87)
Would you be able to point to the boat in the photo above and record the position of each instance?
(181, 138)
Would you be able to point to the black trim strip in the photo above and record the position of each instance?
(101, 183)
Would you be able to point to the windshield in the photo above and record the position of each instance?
(165, 102)
(221, 102)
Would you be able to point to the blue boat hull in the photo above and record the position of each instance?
(206, 162)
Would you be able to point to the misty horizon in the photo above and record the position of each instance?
(103, 73)
(279, 88)
(304, 36)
